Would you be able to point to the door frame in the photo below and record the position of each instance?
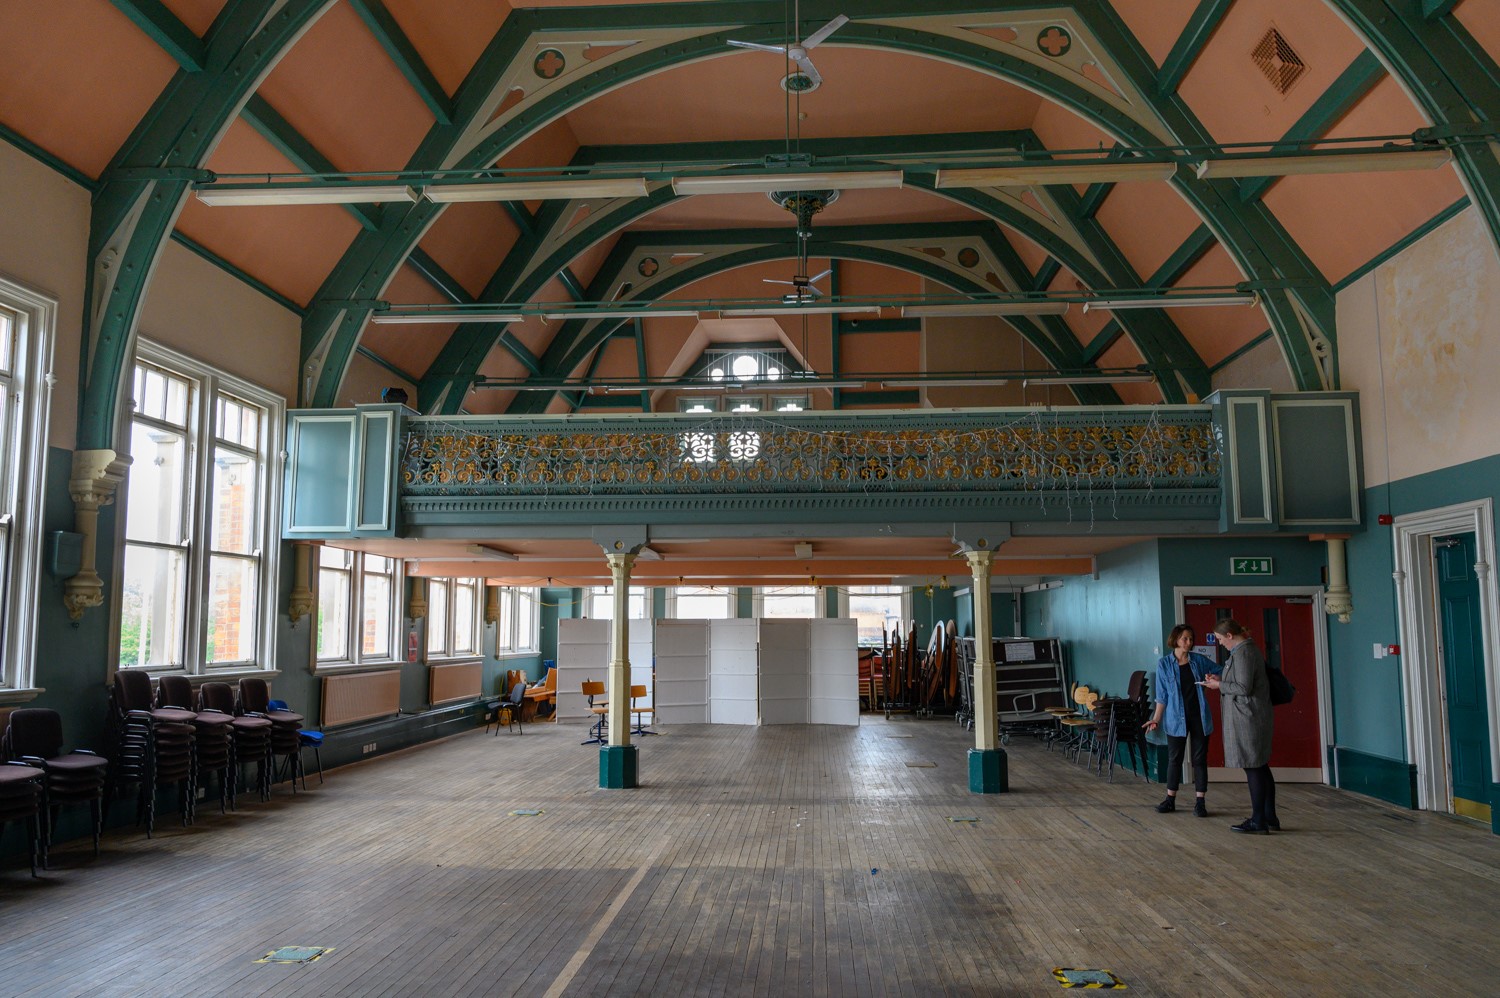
(1416, 618)
(1320, 644)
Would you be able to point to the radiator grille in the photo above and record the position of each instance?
(454, 681)
(360, 696)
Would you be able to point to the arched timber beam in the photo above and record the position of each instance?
(577, 339)
(1448, 75)
(143, 189)
(1301, 317)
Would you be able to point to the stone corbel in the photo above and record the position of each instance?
(491, 604)
(416, 607)
(301, 601)
(95, 478)
(1338, 600)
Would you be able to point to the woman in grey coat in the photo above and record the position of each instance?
(1245, 705)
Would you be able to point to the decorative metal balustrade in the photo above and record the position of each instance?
(1138, 462)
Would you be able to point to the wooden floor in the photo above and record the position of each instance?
(770, 861)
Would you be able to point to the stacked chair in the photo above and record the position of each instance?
(21, 800)
(213, 737)
(250, 738)
(151, 747)
(286, 726)
(34, 736)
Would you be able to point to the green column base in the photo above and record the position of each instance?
(988, 773)
(617, 767)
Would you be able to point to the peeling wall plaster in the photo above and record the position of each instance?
(1417, 340)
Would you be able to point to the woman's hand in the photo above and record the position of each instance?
(1210, 681)
(1152, 725)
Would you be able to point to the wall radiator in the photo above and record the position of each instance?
(360, 696)
(454, 681)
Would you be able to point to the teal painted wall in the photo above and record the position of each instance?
(1205, 562)
(1002, 614)
(1110, 626)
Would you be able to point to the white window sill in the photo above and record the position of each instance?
(455, 659)
(21, 695)
(533, 653)
(339, 668)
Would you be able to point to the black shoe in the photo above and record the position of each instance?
(1273, 824)
(1250, 827)
(1167, 806)
(1200, 809)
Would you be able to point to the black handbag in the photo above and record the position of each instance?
(1282, 689)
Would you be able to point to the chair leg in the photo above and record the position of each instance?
(96, 811)
(318, 758)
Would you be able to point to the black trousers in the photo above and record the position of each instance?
(1262, 794)
(1177, 747)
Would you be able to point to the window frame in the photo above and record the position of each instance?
(447, 653)
(354, 659)
(606, 593)
(34, 318)
(729, 593)
(209, 382)
(906, 612)
(819, 607)
(529, 599)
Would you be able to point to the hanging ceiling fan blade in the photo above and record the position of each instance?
(758, 46)
(772, 280)
(815, 280)
(809, 70)
(821, 35)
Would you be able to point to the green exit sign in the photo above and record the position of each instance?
(1250, 566)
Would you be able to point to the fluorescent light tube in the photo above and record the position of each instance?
(1300, 166)
(1167, 301)
(941, 382)
(1062, 172)
(436, 315)
(621, 313)
(303, 194)
(761, 311)
(538, 190)
(764, 183)
(980, 308)
(488, 552)
(1084, 379)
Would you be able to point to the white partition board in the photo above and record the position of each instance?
(682, 671)
(785, 673)
(582, 654)
(733, 672)
(834, 671)
(642, 660)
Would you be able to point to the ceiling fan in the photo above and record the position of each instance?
(803, 288)
(807, 79)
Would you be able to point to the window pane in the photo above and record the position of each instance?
(877, 609)
(375, 624)
(151, 601)
(329, 557)
(7, 340)
(527, 611)
(703, 603)
(437, 617)
(333, 612)
(463, 618)
(790, 601)
(158, 484)
(505, 630)
(235, 501)
(232, 592)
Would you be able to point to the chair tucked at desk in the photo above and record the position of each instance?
(34, 736)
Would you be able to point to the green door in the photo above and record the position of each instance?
(1463, 675)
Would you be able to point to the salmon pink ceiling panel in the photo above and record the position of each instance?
(450, 36)
(469, 241)
(1156, 24)
(1215, 333)
(1232, 95)
(340, 90)
(1148, 220)
(76, 77)
(1374, 210)
(864, 92)
(196, 15)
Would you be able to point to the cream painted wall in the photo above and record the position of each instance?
(195, 307)
(1418, 341)
(44, 226)
(1260, 367)
(364, 381)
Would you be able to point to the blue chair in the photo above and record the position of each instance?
(314, 739)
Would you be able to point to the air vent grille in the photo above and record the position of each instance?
(1276, 58)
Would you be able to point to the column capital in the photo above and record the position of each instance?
(96, 476)
(979, 561)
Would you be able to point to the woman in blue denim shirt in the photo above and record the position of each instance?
(1180, 700)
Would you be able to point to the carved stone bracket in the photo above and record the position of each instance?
(95, 478)
(491, 604)
(1338, 600)
(301, 602)
(416, 606)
